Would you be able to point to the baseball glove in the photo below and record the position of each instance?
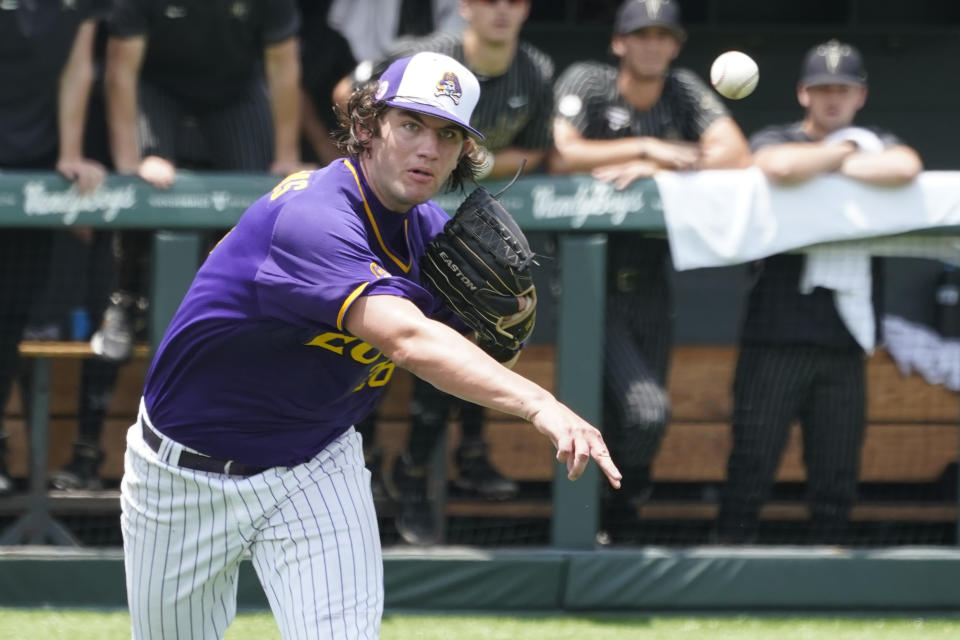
(480, 265)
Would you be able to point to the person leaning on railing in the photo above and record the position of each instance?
(621, 124)
(46, 71)
(809, 323)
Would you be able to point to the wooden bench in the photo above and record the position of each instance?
(912, 434)
(911, 438)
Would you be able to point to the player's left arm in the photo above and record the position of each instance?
(894, 166)
(282, 67)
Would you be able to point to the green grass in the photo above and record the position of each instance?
(63, 624)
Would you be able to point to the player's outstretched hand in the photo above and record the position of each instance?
(576, 442)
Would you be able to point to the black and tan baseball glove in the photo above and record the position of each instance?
(480, 265)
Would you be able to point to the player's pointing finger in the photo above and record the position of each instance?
(579, 458)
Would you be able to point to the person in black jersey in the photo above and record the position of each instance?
(233, 67)
(46, 70)
(622, 123)
(800, 358)
(516, 103)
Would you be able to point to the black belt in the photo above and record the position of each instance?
(198, 461)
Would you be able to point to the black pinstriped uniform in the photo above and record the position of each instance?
(204, 60)
(638, 325)
(797, 361)
(514, 110)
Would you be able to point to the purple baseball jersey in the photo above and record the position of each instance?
(256, 365)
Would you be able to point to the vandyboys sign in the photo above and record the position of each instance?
(208, 200)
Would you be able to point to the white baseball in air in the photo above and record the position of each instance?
(734, 75)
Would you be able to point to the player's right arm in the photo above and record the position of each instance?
(444, 358)
(72, 99)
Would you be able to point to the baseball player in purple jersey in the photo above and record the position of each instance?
(285, 339)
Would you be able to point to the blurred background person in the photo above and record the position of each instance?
(516, 103)
(622, 123)
(802, 352)
(46, 70)
(325, 58)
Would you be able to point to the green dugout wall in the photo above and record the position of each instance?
(648, 579)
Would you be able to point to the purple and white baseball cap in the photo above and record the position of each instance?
(434, 84)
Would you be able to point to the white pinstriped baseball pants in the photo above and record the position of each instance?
(311, 531)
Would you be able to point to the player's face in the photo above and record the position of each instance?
(412, 157)
(497, 21)
(831, 106)
(648, 52)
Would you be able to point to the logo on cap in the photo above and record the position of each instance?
(449, 86)
(653, 8)
(833, 52)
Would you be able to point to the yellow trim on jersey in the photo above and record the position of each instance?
(373, 223)
(346, 303)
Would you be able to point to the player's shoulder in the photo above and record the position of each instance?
(686, 78)
(536, 59)
(688, 88)
(689, 85)
(781, 133)
(879, 131)
(587, 76)
(792, 129)
(319, 197)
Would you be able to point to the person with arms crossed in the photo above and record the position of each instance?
(798, 357)
(513, 114)
(287, 336)
(46, 69)
(624, 123)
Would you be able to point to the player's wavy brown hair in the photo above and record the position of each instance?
(364, 113)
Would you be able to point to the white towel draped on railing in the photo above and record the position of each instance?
(717, 218)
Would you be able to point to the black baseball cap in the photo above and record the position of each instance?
(634, 15)
(833, 62)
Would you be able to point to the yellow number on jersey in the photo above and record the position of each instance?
(295, 181)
